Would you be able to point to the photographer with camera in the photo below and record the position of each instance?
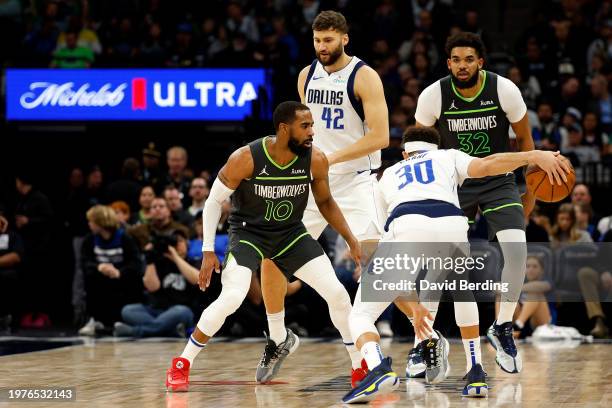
(169, 280)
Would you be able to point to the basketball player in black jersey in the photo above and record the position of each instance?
(473, 110)
(268, 182)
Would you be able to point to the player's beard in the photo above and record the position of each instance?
(332, 56)
(468, 83)
(297, 148)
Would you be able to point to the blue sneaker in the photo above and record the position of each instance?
(476, 385)
(380, 381)
(508, 358)
(415, 367)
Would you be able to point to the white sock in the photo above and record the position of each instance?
(372, 354)
(276, 325)
(506, 311)
(192, 349)
(472, 352)
(519, 324)
(354, 354)
(416, 338)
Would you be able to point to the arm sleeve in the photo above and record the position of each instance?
(429, 105)
(462, 162)
(212, 212)
(510, 99)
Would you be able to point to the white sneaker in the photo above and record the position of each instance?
(90, 328)
(384, 329)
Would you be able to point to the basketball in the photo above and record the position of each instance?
(539, 184)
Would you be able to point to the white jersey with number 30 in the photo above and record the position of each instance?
(430, 175)
(338, 115)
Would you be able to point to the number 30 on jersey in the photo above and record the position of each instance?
(421, 172)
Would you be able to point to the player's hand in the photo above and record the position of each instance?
(209, 263)
(3, 224)
(355, 250)
(421, 318)
(554, 164)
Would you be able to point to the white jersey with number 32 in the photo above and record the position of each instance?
(430, 175)
(338, 115)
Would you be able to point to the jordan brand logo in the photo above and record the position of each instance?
(453, 106)
(264, 172)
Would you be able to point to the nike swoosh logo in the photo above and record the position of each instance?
(315, 78)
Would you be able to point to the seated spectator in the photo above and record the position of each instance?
(591, 284)
(532, 309)
(584, 217)
(180, 215)
(565, 231)
(194, 254)
(86, 36)
(72, 55)
(538, 226)
(112, 267)
(178, 173)
(145, 199)
(546, 133)
(593, 135)
(171, 286)
(128, 187)
(199, 193)
(160, 224)
(122, 211)
(575, 146)
(11, 256)
(571, 117)
(601, 101)
(582, 194)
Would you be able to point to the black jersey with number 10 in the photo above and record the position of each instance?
(275, 197)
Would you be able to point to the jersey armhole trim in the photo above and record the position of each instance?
(350, 89)
(311, 71)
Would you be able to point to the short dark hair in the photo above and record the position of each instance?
(285, 112)
(330, 20)
(465, 39)
(421, 134)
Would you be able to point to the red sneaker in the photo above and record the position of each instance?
(359, 374)
(177, 376)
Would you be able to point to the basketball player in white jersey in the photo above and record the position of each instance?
(420, 197)
(348, 105)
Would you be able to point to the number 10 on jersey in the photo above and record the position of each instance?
(333, 119)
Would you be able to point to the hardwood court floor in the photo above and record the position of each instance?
(131, 374)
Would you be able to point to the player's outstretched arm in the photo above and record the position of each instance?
(328, 206)
(369, 89)
(553, 163)
(239, 166)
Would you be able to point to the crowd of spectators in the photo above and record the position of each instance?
(562, 64)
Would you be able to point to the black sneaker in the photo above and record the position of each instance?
(274, 356)
(415, 366)
(476, 385)
(507, 357)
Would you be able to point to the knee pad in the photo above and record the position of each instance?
(360, 322)
(235, 280)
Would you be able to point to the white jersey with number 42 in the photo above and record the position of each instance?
(430, 175)
(338, 115)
